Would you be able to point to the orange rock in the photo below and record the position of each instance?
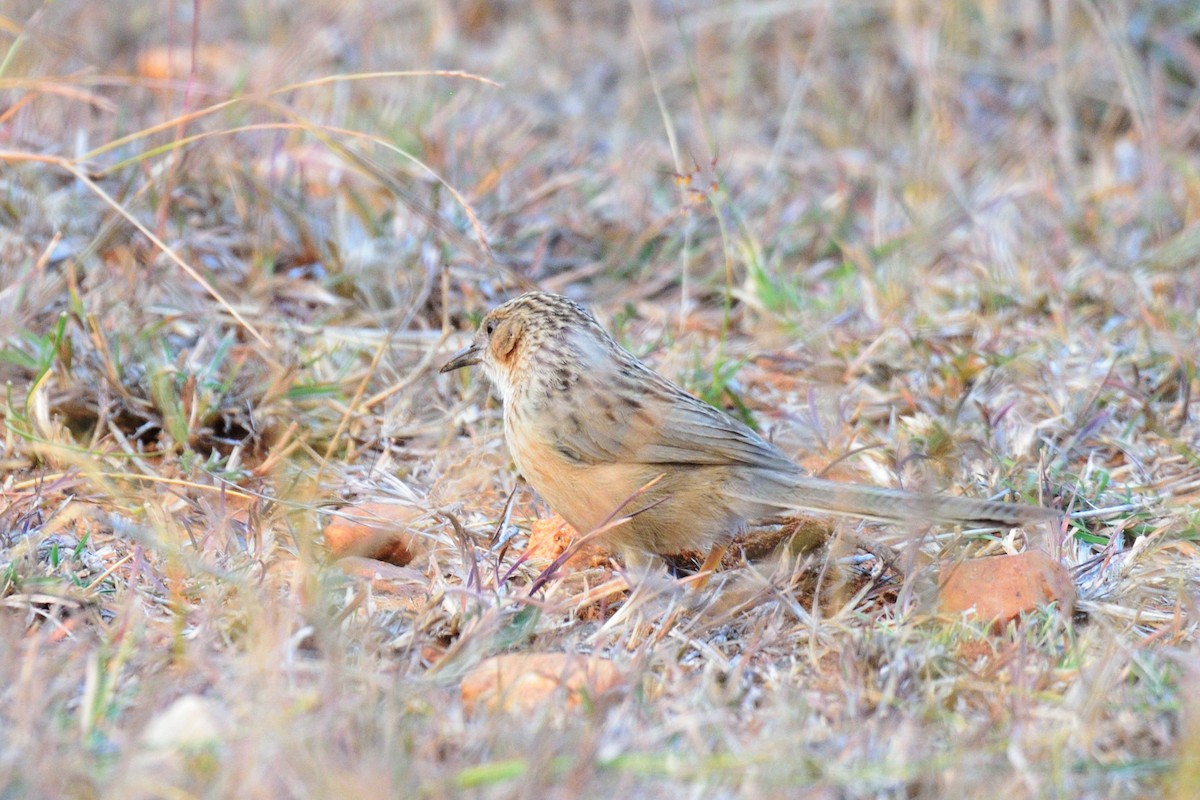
(1000, 588)
(524, 682)
(548, 538)
(165, 62)
(374, 530)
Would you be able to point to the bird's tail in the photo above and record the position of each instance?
(806, 493)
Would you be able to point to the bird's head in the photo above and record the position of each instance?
(536, 331)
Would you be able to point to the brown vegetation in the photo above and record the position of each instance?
(938, 245)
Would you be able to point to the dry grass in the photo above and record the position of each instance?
(941, 244)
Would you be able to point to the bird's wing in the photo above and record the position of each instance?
(694, 432)
(666, 425)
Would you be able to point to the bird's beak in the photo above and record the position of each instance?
(463, 358)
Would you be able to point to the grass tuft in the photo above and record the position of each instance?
(937, 245)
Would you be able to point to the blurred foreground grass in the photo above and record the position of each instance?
(941, 244)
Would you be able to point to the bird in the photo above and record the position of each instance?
(600, 435)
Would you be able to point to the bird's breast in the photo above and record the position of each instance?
(584, 494)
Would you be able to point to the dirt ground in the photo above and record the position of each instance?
(945, 246)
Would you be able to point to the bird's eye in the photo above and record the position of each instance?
(490, 326)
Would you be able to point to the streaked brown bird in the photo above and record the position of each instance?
(588, 425)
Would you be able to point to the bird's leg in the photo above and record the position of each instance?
(640, 566)
(711, 562)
